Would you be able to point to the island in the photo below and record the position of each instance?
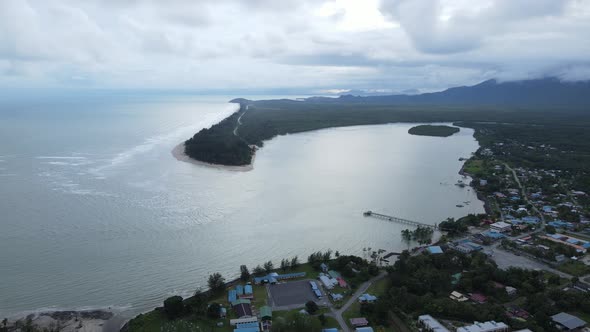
(432, 130)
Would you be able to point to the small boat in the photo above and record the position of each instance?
(459, 205)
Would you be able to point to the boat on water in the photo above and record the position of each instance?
(459, 205)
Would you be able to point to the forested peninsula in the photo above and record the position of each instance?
(234, 140)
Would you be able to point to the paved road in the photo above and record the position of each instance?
(525, 197)
(337, 314)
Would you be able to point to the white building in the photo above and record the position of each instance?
(490, 326)
(501, 227)
(430, 324)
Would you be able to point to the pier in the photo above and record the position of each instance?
(398, 220)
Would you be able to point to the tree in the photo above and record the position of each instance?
(213, 310)
(311, 307)
(337, 254)
(173, 307)
(550, 229)
(327, 255)
(285, 264)
(258, 271)
(294, 262)
(322, 319)
(268, 266)
(216, 283)
(244, 273)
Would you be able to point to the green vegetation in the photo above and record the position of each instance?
(422, 235)
(432, 130)
(574, 268)
(425, 281)
(263, 120)
(294, 321)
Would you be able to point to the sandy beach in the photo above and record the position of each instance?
(178, 153)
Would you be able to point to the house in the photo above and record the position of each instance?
(364, 329)
(341, 282)
(567, 322)
(483, 182)
(360, 321)
(336, 297)
(490, 326)
(478, 298)
(435, 250)
(274, 277)
(501, 227)
(510, 290)
(456, 296)
(265, 313)
(247, 327)
(429, 324)
(222, 312)
(242, 309)
(492, 235)
(330, 330)
(234, 322)
(334, 274)
(232, 295)
(324, 267)
(367, 298)
(328, 282)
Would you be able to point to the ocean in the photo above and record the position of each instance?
(97, 213)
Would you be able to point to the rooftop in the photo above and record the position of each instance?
(568, 321)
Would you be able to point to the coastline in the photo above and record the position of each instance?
(178, 153)
(100, 320)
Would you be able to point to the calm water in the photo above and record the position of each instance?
(95, 211)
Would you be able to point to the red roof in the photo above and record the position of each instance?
(341, 282)
(361, 321)
(478, 297)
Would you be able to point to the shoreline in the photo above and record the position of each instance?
(178, 153)
(97, 320)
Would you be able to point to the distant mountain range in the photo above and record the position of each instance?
(547, 92)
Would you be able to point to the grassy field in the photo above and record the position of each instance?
(574, 268)
(474, 167)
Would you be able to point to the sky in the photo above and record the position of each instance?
(329, 46)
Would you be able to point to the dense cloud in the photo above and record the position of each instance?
(258, 44)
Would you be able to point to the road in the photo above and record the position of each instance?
(337, 313)
(525, 197)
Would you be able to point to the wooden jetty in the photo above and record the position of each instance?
(398, 220)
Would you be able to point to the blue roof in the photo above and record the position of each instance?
(435, 250)
(240, 289)
(275, 277)
(531, 219)
(247, 325)
(247, 329)
(572, 241)
(364, 329)
(232, 295)
(313, 285)
(586, 245)
(493, 235)
(330, 330)
(317, 292)
(248, 289)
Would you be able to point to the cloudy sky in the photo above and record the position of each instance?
(264, 44)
